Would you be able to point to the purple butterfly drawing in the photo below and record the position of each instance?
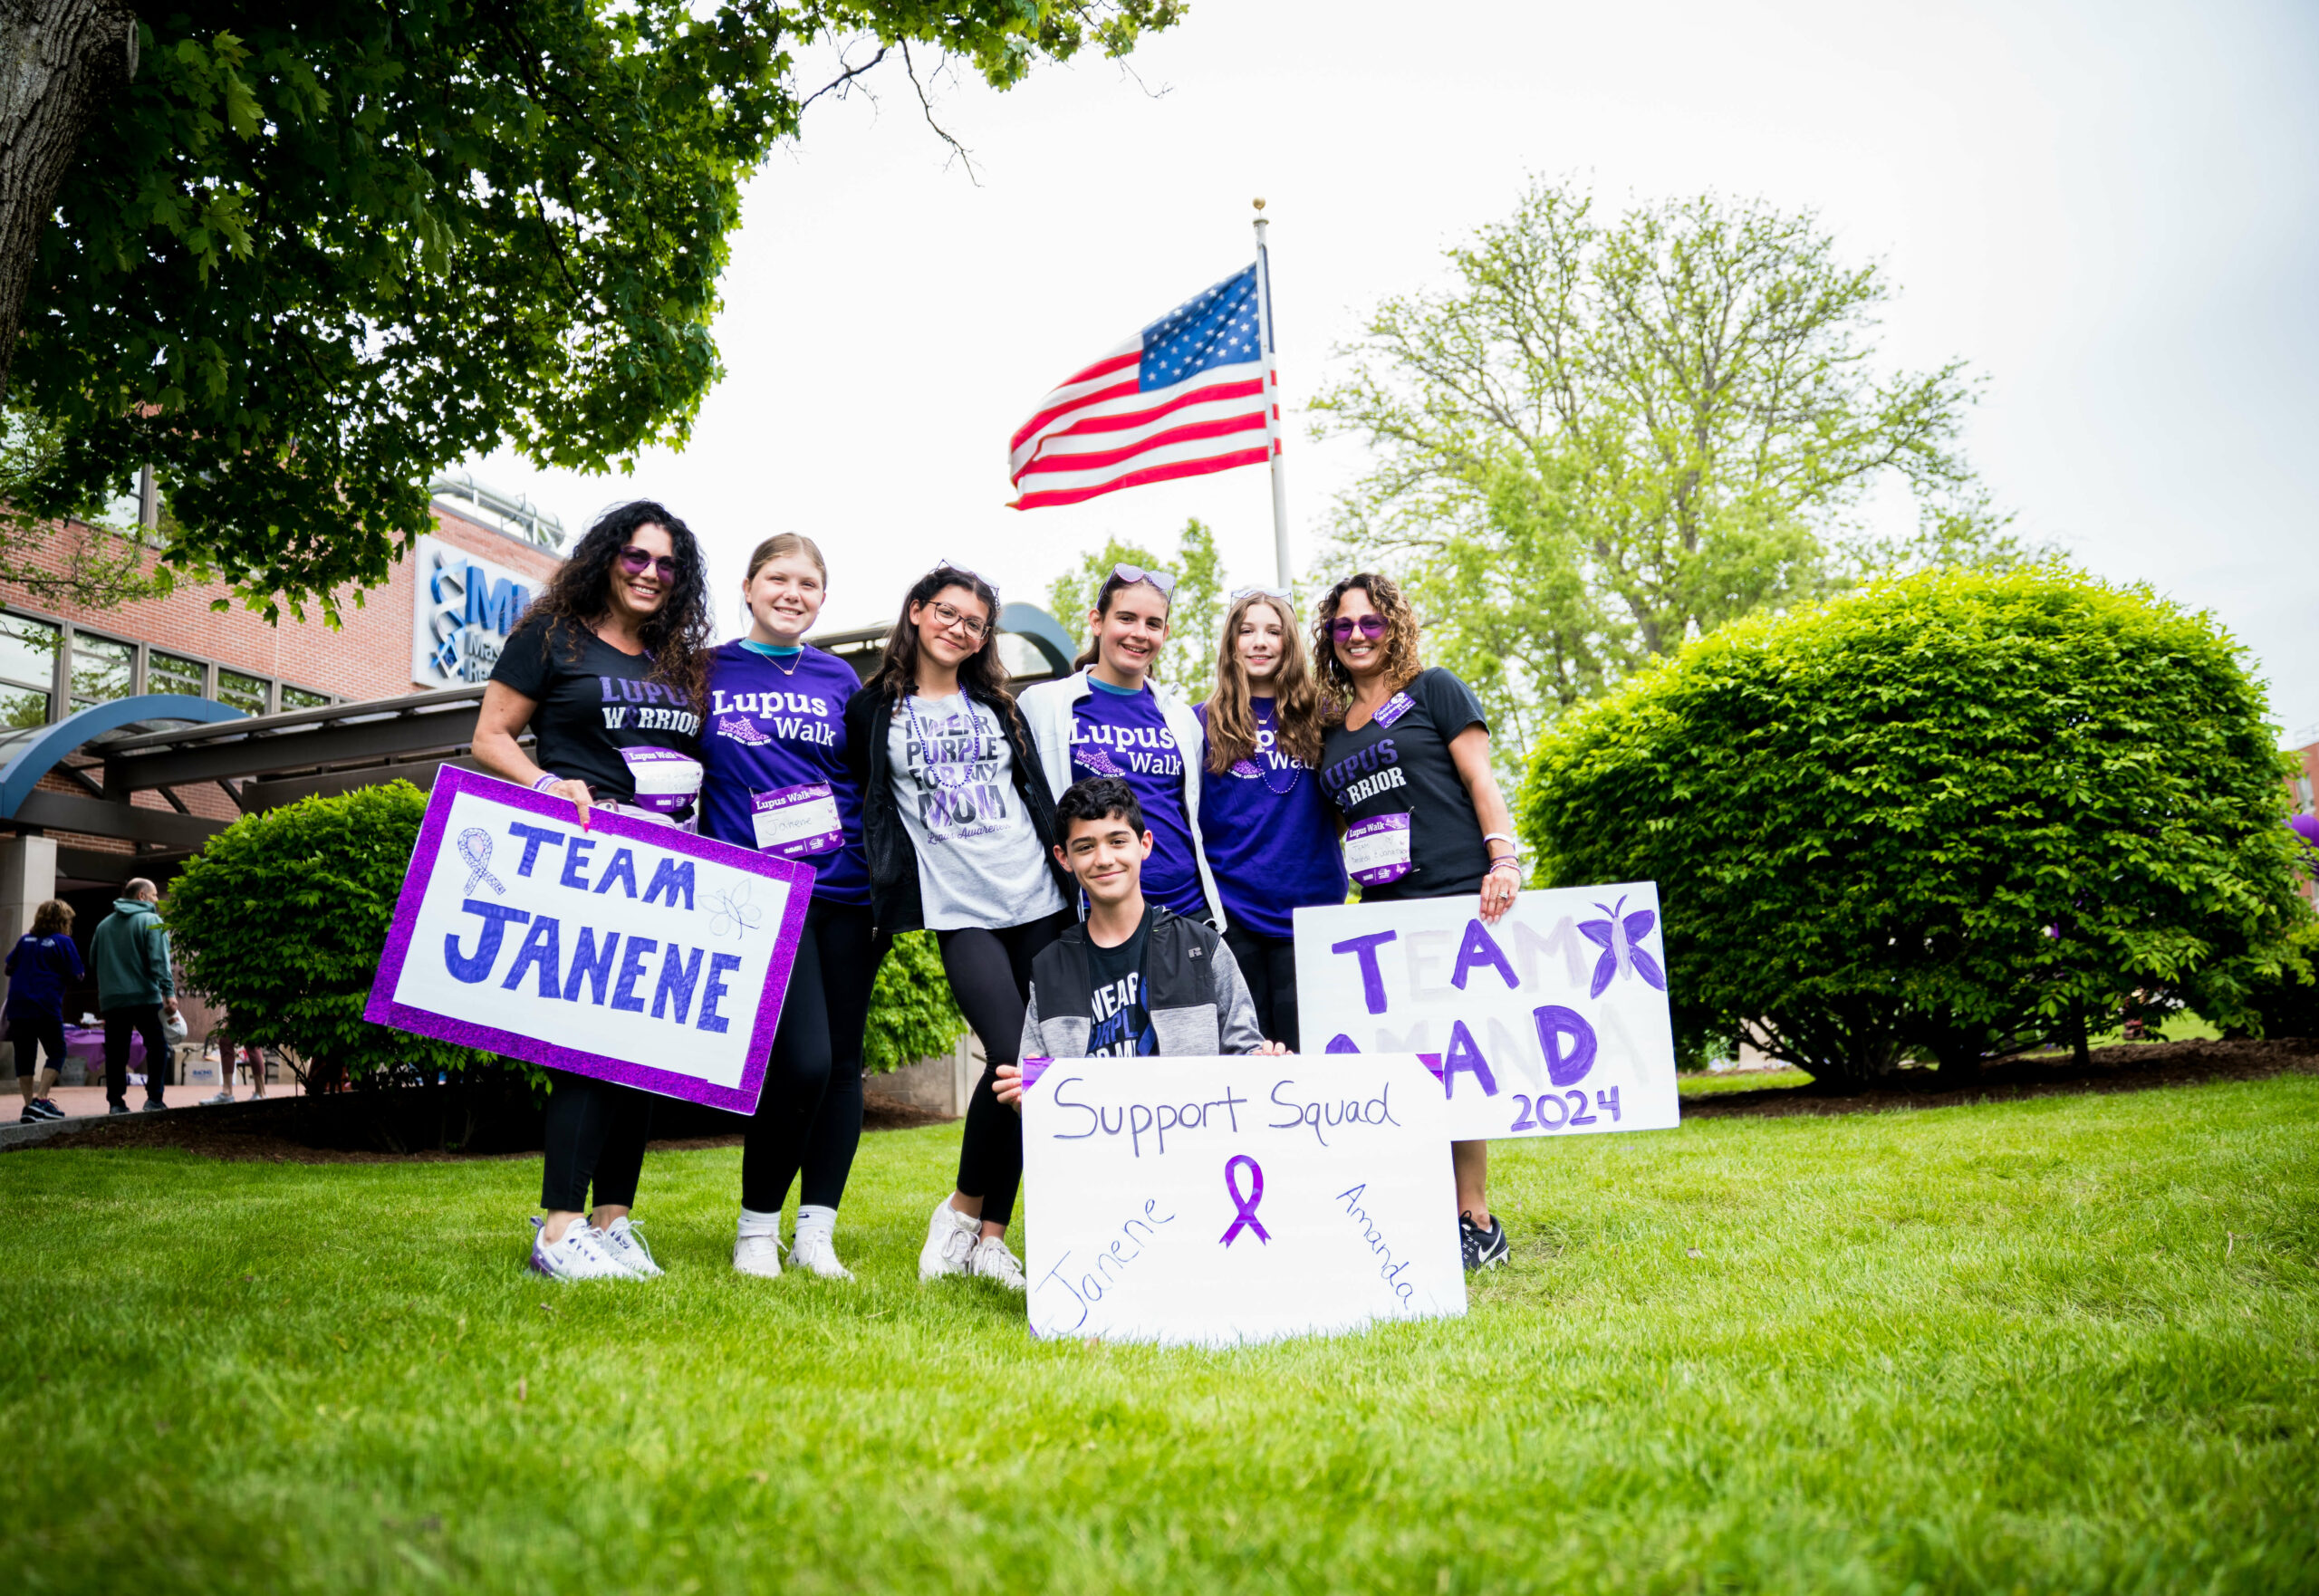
(1621, 940)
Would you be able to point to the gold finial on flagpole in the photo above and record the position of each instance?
(1260, 204)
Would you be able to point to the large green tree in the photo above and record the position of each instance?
(302, 256)
(1606, 435)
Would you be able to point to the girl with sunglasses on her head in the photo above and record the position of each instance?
(1406, 760)
(958, 828)
(1268, 833)
(779, 781)
(609, 668)
(1109, 718)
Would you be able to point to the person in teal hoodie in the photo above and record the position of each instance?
(130, 952)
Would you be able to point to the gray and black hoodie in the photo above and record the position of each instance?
(1192, 988)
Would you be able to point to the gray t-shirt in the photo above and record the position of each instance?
(979, 859)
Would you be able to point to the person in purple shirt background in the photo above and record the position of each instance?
(1109, 718)
(777, 780)
(1269, 832)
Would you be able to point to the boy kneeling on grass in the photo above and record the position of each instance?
(1135, 978)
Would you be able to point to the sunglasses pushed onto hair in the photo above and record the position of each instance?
(1127, 576)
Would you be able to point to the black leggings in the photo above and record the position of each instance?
(596, 1131)
(31, 1033)
(809, 1115)
(1268, 964)
(990, 976)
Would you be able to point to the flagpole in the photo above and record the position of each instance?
(1272, 402)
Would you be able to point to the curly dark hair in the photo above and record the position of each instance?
(1401, 660)
(676, 637)
(980, 673)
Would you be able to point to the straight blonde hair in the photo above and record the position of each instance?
(1297, 697)
(787, 543)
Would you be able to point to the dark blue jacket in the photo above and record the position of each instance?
(39, 969)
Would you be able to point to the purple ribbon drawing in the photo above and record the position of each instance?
(1246, 1205)
(475, 847)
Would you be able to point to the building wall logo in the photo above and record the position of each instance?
(466, 608)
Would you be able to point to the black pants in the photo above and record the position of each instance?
(31, 1033)
(596, 1131)
(144, 1021)
(990, 976)
(1268, 964)
(809, 1115)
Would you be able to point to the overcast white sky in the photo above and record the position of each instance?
(2109, 211)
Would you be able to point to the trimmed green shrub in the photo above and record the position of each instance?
(912, 1014)
(283, 917)
(1950, 816)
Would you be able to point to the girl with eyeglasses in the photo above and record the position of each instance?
(1268, 831)
(608, 667)
(1406, 760)
(958, 831)
(779, 781)
(1110, 718)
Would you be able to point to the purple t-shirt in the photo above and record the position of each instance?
(1116, 734)
(775, 752)
(1270, 834)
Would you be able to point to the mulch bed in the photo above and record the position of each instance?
(288, 1130)
(2138, 1066)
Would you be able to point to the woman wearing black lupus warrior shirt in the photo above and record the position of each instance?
(1405, 760)
(608, 669)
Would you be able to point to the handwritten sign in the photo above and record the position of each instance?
(1552, 1022)
(630, 952)
(1236, 1199)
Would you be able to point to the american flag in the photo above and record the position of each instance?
(1183, 397)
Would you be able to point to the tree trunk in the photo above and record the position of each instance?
(60, 60)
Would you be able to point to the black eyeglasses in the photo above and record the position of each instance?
(1371, 625)
(950, 615)
(636, 561)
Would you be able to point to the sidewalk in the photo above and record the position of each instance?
(82, 1104)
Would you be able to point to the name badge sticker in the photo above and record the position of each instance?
(665, 781)
(1377, 850)
(796, 822)
(1392, 709)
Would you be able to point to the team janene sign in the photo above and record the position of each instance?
(630, 952)
(1552, 1022)
(1236, 1199)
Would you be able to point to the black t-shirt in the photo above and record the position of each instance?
(594, 702)
(1122, 1027)
(1396, 775)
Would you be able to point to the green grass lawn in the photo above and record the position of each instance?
(1702, 1084)
(2062, 1344)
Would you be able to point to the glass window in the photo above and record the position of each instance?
(21, 709)
(172, 673)
(299, 698)
(100, 669)
(244, 693)
(28, 651)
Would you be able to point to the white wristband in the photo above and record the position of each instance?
(545, 782)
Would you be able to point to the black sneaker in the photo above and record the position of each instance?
(154, 1105)
(1484, 1249)
(45, 1107)
(119, 1108)
(31, 1116)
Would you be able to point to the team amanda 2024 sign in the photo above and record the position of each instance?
(1552, 1021)
(630, 952)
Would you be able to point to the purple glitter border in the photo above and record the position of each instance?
(452, 780)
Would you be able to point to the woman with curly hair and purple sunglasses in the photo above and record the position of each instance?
(1406, 760)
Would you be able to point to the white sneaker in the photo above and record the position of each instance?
(224, 1096)
(624, 1244)
(990, 1260)
(949, 1238)
(576, 1257)
(760, 1255)
(816, 1251)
